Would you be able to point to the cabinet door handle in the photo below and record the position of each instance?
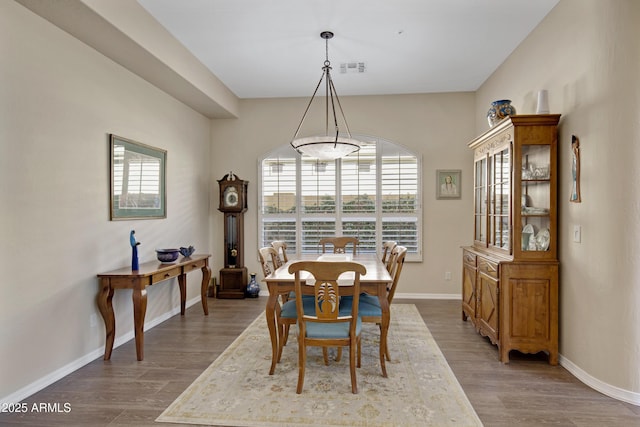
(167, 275)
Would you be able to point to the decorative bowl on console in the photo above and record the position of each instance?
(167, 255)
(187, 252)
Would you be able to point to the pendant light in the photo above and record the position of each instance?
(332, 145)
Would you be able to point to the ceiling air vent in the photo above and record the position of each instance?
(352, 67)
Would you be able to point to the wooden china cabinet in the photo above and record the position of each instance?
(510, 273)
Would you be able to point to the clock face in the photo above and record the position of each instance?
(231, 197)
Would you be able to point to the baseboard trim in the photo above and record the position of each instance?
(600, 386)
(58, 374)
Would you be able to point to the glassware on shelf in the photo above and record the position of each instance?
(542, 240)
(533, 171)
(532, 210)
(535, 241)
(527, 236)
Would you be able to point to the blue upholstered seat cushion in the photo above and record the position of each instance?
(368, 306)
(331, 330)
(320, 330)
(369, 299)
(368, 310)
(289, 308)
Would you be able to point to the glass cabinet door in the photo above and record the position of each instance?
(499, 196)
(515, 188)
(480, 208)
(536, 198)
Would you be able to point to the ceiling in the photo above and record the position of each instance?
(261, 49)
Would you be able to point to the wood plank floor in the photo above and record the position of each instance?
(124, 392)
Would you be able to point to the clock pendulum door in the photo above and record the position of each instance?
(233, 277)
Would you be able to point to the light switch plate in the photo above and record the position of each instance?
(577, 233)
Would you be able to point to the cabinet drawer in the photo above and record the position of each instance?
(195, 265)
(487, 267)
(469, 258)
(165, 275)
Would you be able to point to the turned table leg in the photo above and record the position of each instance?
(106, 309)
(271, 323)
(182, 284)
(384, 326)
(139, 311)
(206, 277)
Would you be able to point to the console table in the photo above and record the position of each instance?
(149, 273)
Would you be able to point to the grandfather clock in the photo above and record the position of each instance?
(233, 203)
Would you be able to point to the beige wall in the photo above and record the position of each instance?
(435, 126)
(586, 53)
(59, 100)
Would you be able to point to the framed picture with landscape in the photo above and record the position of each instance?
(448, 183)
(138, 180)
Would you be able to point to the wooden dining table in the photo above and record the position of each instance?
(375, 282)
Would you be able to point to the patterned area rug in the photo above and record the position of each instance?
(236, 389)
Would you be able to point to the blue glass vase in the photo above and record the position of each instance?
(253, 289)
(499, 110)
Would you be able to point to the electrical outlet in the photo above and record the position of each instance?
(577, 233)
(447, 275)
(93, 320)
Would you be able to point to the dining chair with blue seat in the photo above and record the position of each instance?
(269, 263)
(370, 310)
(285, 309)
(328, 325)
(268, 254)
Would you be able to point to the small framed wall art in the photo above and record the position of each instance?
(448, 184)
(575, 170)
(138, 187)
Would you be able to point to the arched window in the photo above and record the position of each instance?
(374, 195)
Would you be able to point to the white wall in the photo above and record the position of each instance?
(586, 53)
(59, 100)
(435, 126)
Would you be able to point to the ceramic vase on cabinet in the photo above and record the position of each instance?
(499, 110)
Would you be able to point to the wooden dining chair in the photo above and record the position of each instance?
(268, 254)
(281, 258)
(281, 250)
(339, 244)
(328, 326)
(370, 310)
(387, 247)
(286, 314)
